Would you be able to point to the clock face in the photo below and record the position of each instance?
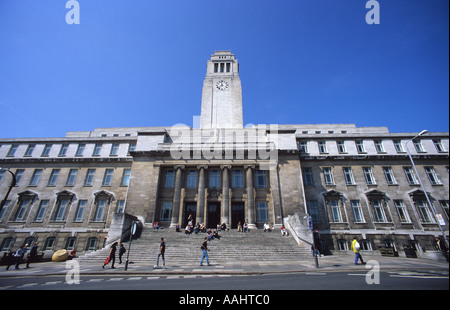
(222, 85)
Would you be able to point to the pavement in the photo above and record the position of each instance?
(326, 264)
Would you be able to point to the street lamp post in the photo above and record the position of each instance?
(423, 187)
(11, 185)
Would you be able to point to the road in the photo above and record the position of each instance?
(425, 279)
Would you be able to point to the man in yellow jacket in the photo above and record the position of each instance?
(355, 248)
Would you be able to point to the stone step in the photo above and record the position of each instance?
(255, 245)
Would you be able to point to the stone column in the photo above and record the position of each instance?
(201, 194)
(176, 196)
(250, 196)
(225, 208)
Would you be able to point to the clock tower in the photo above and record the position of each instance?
(222, 93)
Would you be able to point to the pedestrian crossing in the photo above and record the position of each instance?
(48, 284)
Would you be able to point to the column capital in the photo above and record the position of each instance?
(202, 166)
(179, 166)
(249, 166)
(225, 166)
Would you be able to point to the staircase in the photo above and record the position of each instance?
(233, 246)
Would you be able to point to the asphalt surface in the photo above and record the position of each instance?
(326, 263)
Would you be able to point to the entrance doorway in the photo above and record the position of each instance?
(190, 208)
(213, 218)
(237, 214)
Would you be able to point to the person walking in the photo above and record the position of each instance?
(355, 248)
(111, 257)
(205, 250)
(19, 255)
(162, 250)
(32, 255)
(122, 251)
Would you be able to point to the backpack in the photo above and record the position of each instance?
(357, 246)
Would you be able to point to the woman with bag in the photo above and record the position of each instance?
(111, 257)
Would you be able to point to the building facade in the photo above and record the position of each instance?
(81, 191)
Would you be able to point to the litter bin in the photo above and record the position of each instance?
(410, 252)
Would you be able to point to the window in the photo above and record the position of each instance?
(424, 211)
(336, 216)
(262, 212)
(191, 179)
(80, 149)
(169, 180)
(97, 149)
(114, 149)
(432, 176)
(53, 177)
(6, 243)
(216, 67)
(214, 178)
(91, 244)
(379, 146)
(100, 211)
(71, 177)
(418, 146)
(368, 175)
(30, 149)
(126, 177)
(120, 206)
(260, 179)
(222, 65)
(342, 245)
(46, 151)
(438, 144)
(237, 178)
(228, 67)
(328, 176)
(357, 211)
(348, 176)
(19, 174)
(12, 150)
(402, 211)
(360, 146)
(49, 243)
(41, 211)
(390, 179)
(380, 215)
(107, 178)
(35, 178)
(79, 214)
(63, 150)
(410, 176)
(166, 211)
(89, 180)
(341, 147)
(70, 244)
(399, 146)
(313, 210)
(308, 178)
(3, 210)
(131, 148)
(22, 210)
(61, 209)
(444, 206)
(303, 147)
(322, 147)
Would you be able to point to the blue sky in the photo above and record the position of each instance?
(142, 63)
